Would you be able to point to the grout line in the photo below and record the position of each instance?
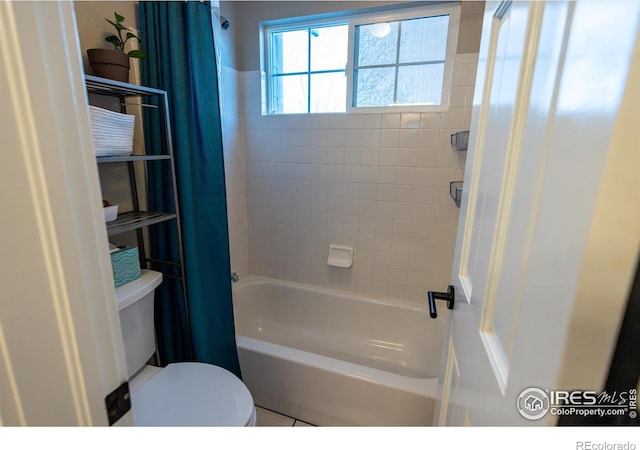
(276, 412)
(295, 420)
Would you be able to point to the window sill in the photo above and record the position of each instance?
(372, 110)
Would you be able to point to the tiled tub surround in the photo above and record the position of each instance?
(233, 145)
(376, 182)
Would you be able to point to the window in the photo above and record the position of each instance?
(308, 68)
(400, 62)
(365, 63)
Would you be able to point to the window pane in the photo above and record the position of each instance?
(290, 52)
(290, 94)
(377, 43)
(328, 92)
(424, 39)
(397, 59)
(420, 84)
(329, 48)
(375, 86)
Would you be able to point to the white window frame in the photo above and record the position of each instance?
(298, 25)
(398, 15)
(453, 10)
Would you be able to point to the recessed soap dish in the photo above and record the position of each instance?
(340, 256)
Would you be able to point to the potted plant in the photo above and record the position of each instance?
(114, 64)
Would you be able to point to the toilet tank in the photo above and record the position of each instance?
(135, 306)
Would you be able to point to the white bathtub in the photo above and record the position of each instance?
(329, 358)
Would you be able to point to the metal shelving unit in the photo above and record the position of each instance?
(137, 219)
(108, 159)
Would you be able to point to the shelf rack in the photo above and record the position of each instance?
(137, 220)
(455, 191)
(134, 220)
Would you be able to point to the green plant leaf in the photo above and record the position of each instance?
(118, 17)
(117, 26)
(137, 54)
(115, 40)
(132, 36)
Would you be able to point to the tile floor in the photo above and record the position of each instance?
(267, 418)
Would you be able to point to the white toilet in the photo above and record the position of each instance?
(181, 394)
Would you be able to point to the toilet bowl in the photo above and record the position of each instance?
(192, 394)
(181, 394)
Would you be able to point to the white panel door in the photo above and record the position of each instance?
(550, 123)
(61, 350)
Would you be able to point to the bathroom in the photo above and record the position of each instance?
(378, 183)
(296, 183)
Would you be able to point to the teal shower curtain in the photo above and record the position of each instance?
(177, 37)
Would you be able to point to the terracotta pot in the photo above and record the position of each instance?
(109, 64)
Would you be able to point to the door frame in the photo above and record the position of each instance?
(612, 250)
(61, 349)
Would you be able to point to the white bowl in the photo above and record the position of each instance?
(110, 213)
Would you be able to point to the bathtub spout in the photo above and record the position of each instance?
(448, 296)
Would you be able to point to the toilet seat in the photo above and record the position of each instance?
(192, 394)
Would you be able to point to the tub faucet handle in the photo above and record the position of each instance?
(234, 277)
(448, 296)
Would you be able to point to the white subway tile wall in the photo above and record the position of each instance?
(234, 165)
(376, 182)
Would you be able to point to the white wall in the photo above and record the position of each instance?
(247, 16)
(376, 182)
(233, 145)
